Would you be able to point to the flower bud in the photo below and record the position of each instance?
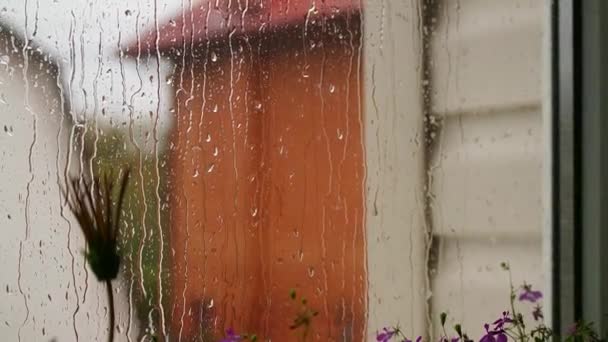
(442, 317)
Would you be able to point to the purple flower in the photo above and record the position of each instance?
(501, 337)
(386, 334)
(527, 294)
(418, 339)
(537, 313)
(500, 323)
(495, 335)
(489, 336)
(231, 336)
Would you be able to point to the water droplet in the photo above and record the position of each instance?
(195, 174)
(311, 271)
(254, 212)
(215, 108)
(210, 305)
(210, 168)
(332, 88)
(128, 13)
(4, 60)
(216, 151)
(208, 139)
(339, 134)
(213, 56)
(258, 105)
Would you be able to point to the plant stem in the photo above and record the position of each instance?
(111, 305)
(521, 330)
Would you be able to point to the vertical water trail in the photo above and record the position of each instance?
(67, 165)
(84, 132)
(181, 319)
(60, 177)
(234, 154)
(25, 54)
(67, 109)
(201, 133)
(364, 179)
(328, 194)
(161, 243)
(139, 156)
(351, 53)
(178, 113)
(190, 118)
(246, 113)
(459, 250)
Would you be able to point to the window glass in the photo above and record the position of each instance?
(353, 164)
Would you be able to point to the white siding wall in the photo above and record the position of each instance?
(487, 161)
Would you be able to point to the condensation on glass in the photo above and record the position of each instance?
(379, 158)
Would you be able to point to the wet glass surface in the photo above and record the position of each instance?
(379, 158)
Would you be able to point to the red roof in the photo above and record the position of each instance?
(216, 19)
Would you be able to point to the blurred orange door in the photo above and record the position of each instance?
(268, 187)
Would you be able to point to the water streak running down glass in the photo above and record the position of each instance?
(379, 158)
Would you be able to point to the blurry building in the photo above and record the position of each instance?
(34, 259)
(266, 166)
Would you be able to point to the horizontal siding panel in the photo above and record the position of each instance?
(487, 175)
(471, 286)
(486, 54)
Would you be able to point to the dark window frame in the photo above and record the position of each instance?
(579, 162)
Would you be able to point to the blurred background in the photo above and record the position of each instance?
(382, 158)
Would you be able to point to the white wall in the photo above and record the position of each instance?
(394, 157)
(485, 164)
(41, 256)
(488, 159)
